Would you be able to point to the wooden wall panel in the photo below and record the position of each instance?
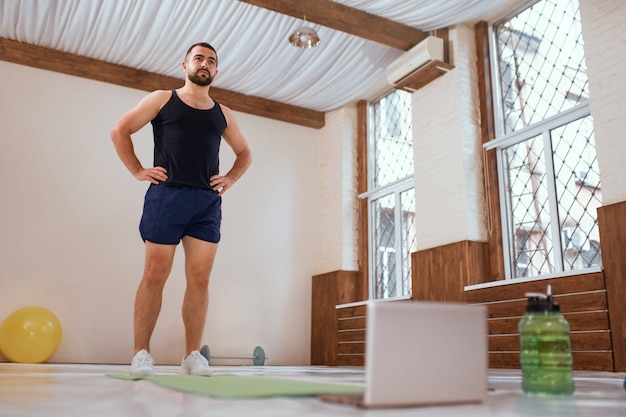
(352, 311)
(612, 225)
(351, 360)
(590, 361)
(441, 273)
(351, 328)
(328, 290)
(353, 335)
(352, 323)
(596, 320)
(568, 303)
(581, 341)
(583, 302)
(351, 348)
(516, 290)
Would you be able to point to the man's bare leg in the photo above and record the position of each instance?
(158, 264)
(199, 258)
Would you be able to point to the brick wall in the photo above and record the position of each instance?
(448, 164)
(337, 235)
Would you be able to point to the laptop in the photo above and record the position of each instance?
(422, 353)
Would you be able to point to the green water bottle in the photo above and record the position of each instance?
(545, 350)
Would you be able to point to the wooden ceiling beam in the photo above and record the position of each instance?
(80, 66)
(347, 19)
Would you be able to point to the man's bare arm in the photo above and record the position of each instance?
(136, 118)
(243, 156)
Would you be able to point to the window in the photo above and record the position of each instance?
(390, 195)
(549, 176)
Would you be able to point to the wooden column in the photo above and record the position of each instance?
(362, 283)
(490, 166)
(612, 225)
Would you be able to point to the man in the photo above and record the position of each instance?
(183, 201)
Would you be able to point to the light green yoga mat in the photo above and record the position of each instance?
(233, 386)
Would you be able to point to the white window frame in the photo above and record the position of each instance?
(396, 188)
(371, 195)
(503, 141)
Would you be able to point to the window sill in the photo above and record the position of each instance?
(530, 279)
(366, 302)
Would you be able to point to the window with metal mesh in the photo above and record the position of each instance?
(391, 140)
(391, 195)
(393, 245)
(550, 180)
(577, 182)
(541, 63)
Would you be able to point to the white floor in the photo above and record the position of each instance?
(86, 391)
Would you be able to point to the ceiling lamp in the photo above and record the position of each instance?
(304, 37)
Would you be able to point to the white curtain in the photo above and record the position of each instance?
(255, 57)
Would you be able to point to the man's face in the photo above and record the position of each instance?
(201, 66)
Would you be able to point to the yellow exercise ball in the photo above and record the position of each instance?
(30, 335)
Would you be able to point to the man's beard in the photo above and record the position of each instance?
(202, 81)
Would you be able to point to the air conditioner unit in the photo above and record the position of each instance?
(428, 50)
(576, 239)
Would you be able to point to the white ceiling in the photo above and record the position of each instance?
(255, 57)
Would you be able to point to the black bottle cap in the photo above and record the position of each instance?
(541, 302)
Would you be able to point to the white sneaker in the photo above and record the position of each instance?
(196, 364)
(142, 364)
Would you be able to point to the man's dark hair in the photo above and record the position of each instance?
(204, 45)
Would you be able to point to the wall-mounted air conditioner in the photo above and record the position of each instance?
(427, 51)
(575, 239)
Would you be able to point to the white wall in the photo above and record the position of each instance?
(70, 213)
(605, 48)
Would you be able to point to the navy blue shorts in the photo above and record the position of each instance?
(169, 213)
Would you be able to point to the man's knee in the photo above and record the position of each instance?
(198, 280)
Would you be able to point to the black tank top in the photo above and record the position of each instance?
(187, 142)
